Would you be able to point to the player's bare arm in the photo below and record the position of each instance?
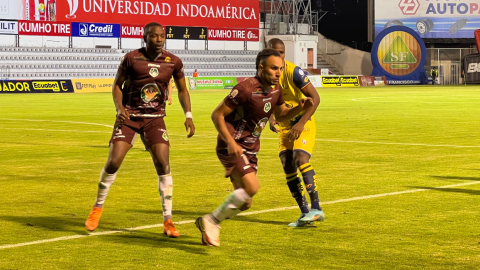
(170, 90)
(218, 118)
(310, 92)
(122, 113)
(283, 113)
(184, 98)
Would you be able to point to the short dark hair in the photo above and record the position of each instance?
(274, 41)
(264, 55)
(147, 28)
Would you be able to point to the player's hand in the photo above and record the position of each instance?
(307, 103)
(170, 101)
(295, 132)
(189, 127)
(234, 150)
(122, 114)
(273, 123)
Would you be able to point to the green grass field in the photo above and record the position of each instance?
(399, 175)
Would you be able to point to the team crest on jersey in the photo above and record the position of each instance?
(304, 141)
(165, 136)
(168, 59)
(267, 107)
(150, 92)
(153, 72)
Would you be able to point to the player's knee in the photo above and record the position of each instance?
(162, 168)
(246, 205)
(288, 162)
(301, 158)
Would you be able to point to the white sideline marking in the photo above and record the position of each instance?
(241, 214)
(323, 140)
(56, 121)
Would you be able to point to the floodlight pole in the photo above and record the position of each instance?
(292, 13)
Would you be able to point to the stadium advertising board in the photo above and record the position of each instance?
(8, 27)
(208, 83)
(131, 31)
(399, 54)
(430, 19)
(92, 85)
(233, 34)
(95, 30)
(36, 86)
(206, 13)
(471, 66)
(181, 32)
(44, 28)
(340, 81)
(316, 80)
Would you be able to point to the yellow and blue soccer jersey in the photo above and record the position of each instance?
(292, 81)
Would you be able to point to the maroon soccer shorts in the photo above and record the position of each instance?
(245, 164)
(153, 129)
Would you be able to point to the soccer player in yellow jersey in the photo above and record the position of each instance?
(297, 138)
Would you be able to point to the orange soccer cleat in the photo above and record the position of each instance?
(169, 230)
(92, 221)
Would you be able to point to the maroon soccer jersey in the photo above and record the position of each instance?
(252, 108)
(146, 86)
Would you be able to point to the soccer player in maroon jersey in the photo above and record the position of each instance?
(240, 119)
(139, 94)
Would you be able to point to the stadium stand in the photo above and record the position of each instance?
(67, 63)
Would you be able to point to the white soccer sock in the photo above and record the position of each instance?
(231, 206)
(104, 184)
(165, 188)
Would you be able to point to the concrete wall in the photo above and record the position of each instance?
(296, 48)
(353, 62)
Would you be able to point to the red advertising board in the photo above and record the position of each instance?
(205, 13)
(131, 31)
(233, 34)
(477, 38)
(43, 28)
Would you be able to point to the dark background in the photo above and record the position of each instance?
(345, 21)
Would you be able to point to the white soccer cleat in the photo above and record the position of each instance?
(210, 231)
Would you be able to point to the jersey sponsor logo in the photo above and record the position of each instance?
(304, 141)
(267, 107)
(301, 72)
(153, 72)
(259, 127)
(306, 79)
(150, 92)
(153, 65)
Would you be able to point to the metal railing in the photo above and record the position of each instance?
(4, 72)
(449, 63)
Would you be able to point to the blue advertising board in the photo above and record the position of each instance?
(95, 30)
(399, 54)
(444, 19)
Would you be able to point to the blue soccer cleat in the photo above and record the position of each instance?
(314, 215)
(299, 223)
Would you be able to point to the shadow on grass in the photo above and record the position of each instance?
(453, 190)
(186, 215)
(455, 178)
(76, 225)
(159, 240)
